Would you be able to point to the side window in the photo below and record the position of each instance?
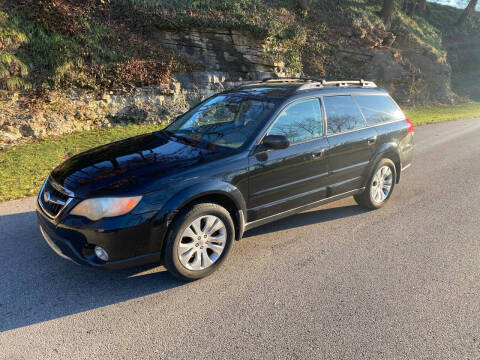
(300, 121)
(342, 114)
(379, 108)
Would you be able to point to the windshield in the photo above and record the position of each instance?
(226, 120)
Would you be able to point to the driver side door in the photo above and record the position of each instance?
(284, 179)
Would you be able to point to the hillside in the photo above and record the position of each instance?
(59, 49)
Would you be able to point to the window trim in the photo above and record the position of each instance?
(346, 131)
(267, 129)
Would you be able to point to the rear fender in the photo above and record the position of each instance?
(390, 151)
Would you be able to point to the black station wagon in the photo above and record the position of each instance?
(239, 159)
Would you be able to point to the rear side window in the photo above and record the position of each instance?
(301, 121)
(379, 108)
(342, 114)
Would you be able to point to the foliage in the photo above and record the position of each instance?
(59, 43)
(421, 32)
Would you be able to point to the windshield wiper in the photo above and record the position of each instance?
(212, 133)
(183, 138)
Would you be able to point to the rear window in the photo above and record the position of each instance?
(342, 114)
(379, 108)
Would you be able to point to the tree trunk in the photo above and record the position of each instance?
(387, 10)
(412, 7)
(468, 10)
(303, 4)
(422, 5)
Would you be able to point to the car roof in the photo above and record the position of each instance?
(290, 87)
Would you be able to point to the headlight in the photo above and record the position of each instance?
(95, 209)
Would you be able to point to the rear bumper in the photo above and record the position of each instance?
(125, 246)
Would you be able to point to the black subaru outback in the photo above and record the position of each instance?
(237, 160)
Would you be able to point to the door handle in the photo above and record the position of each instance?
(372, 140)
(318, 154)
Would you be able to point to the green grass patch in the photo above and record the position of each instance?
(24, 168)
(436, 114)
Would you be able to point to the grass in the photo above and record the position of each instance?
(24, 167)
(48, 46)
(436, 114)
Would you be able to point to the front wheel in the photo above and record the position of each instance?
(379, 187)
(198, 241)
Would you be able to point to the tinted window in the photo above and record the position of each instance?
(342, 114)
(377, 109)
(300, 121)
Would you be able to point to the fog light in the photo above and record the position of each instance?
(101, 253)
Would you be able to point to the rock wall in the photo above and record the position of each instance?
(237, 52)
(73, 110)
(409, 71)
(227, 57)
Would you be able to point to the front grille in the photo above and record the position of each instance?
(52, 200)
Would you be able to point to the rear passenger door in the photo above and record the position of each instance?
(351, 144)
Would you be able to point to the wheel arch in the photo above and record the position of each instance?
(387, 151)
(223, 194)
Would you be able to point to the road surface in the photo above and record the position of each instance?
(334, 282)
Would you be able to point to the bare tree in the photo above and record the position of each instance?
(304, 4)
(412, 7)
(387, 10)
(422, 5)
(468, 10)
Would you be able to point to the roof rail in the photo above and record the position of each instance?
(286, 79)
(310, 83)
(339, 83)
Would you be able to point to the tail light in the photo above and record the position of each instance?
(410, 126)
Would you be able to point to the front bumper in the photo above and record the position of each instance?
(135, 244)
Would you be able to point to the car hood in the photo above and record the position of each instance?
(133, 166)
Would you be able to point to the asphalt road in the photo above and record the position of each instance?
(334, 282)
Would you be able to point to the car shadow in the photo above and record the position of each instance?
(36, 285)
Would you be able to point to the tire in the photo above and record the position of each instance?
(194, 247)
(375, 194)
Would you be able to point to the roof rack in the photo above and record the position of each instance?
(286, 79)
(339, 83)
(310, 83)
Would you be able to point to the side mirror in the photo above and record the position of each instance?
(275, 142)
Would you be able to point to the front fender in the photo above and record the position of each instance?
(196, 191)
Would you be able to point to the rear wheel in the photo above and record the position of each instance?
(198, 241)
(379, 187)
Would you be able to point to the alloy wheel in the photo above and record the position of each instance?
(382, 184)
(202, 242)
